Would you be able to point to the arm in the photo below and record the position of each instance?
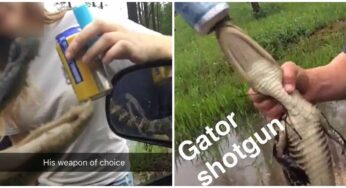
(327, 82)
(116, 42)
(318, 84)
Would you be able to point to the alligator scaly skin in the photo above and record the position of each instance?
(144, 126)
(52, 137)
(306, 140)
(307, 143)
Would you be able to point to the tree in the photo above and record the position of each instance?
(139, 12)
(158, 16)
(153, 15)
(256, 10)
(146, 14)
(255, 7)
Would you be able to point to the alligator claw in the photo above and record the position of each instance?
(333, 133)
(294, 174)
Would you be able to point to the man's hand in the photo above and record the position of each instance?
(294, 77)
(115, 42)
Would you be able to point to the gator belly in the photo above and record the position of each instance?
(308, 145)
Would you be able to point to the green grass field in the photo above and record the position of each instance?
(206, 89)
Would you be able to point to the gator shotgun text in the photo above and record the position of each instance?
(189, 150)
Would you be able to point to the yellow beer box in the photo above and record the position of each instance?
(89, 80)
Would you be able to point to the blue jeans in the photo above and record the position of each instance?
(126, 181)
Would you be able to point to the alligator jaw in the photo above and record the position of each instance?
(241, 49)
(253, 62)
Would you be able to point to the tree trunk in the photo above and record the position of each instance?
(139, 13)
(153, 16)
(146, 14)
(158, 18)
(255, 7)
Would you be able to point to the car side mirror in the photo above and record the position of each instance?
(139, 106)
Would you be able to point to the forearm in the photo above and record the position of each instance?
(327, 82)
(162, 47)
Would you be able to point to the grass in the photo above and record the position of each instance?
(145, 177)
(206, 89)
(138, 147)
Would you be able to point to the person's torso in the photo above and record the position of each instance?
(52, 97)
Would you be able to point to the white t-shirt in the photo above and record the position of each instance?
(55, 96)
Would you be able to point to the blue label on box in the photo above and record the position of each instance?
(72, 64)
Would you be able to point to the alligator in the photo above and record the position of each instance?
(143, 125)
(302, 149)
(51, 137)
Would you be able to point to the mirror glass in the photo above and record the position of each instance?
(140, 104)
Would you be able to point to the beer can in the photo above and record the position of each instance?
(89, 80)
(202, 16)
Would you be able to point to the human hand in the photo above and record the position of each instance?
(294, 77)
(116, 42)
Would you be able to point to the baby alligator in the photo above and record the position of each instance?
(143, 125)
(302, 149)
